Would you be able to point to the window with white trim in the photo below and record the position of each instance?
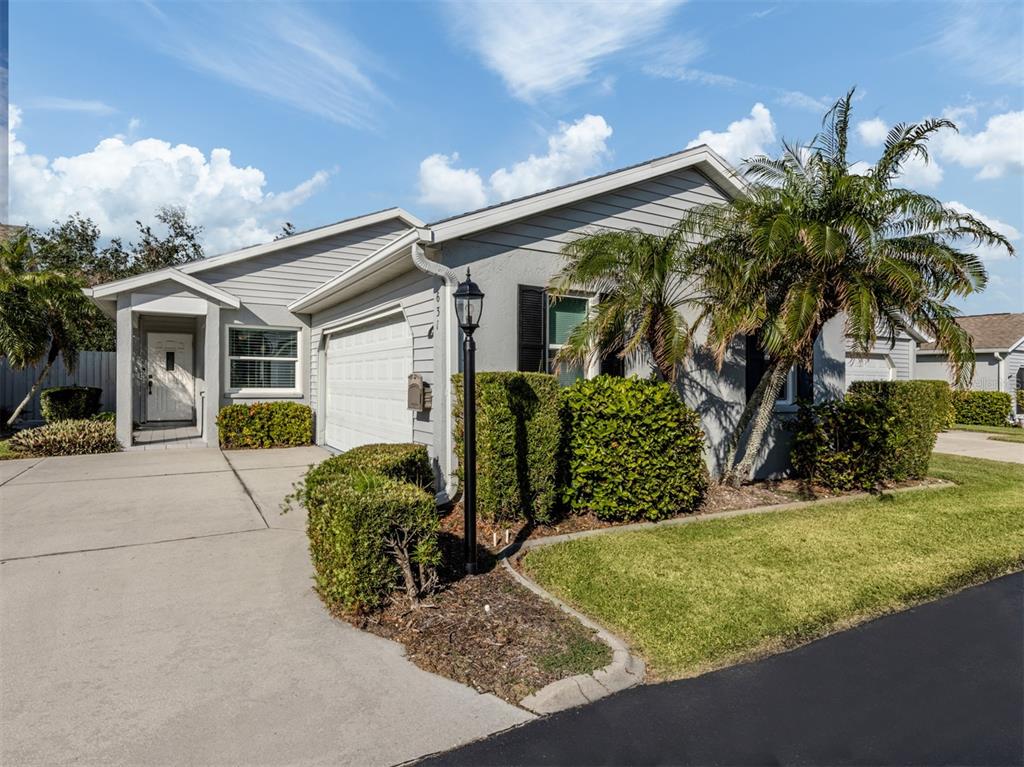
(564, 314)
(787, 394)
(262, 358)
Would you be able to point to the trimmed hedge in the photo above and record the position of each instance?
(884, 431)
(372, 526)
(69, 403)
(67, 437)
(265, 424)
(984, 408)
(518, 441)
(635, 451)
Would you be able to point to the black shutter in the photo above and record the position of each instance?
(805, 382)
(533, 332)
(755, 364)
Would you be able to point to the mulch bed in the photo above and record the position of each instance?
(489, 632)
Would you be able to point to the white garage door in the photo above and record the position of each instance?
(366, 381)
(869, 367)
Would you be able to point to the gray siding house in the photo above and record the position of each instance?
(998, 341)
(340, 317)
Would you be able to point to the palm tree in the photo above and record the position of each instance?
(813, 239)
(43, 314)
(642, 290)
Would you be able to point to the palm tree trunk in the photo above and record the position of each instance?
(741, 425)
(51, 357)
(765, 409)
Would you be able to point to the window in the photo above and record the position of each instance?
(564, 314)
(787, 394)
(261, 358)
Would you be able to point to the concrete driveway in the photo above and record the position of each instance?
(976, 444)
(156, 608)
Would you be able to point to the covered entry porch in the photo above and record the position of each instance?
(168, 358)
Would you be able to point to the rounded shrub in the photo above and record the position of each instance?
(64, 403)
(842, 445)
(265, 424)
(983, 408)
(634, 450)
(78, 437)
(372, 526)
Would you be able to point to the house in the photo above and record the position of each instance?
(998, 341)
(888, 360)
(340, 317)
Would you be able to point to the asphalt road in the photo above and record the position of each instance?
(940, 684)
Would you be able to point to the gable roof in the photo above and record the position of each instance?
(299, 238)
(701, 158)
(1002, 332)
(110, 290)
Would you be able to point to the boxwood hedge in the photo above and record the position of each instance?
(63, 403)
(984, 408)
(265, 424)
(372, 526)
(634, 450)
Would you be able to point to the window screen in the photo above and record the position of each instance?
(262, 359)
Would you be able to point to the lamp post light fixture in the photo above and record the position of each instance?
(469, 304)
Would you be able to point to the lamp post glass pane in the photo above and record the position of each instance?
(469, 303)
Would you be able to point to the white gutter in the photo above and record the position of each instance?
(449, 281)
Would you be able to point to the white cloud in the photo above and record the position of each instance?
(872, 132)
(542, 48)
(574, 152)
(446, 188)
(918, 174)
(988, 252)
(994, 151)
(88, 106)
(672, 60)
(282, 51)
(120, 181)
(743, 138)
(983, 41)
(800, 100)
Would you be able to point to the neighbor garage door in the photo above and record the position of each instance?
(366, 382)
(868, 367)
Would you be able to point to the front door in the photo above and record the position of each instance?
(170, 386)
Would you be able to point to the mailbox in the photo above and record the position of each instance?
(419, 396)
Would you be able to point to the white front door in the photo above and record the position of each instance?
(366, 384)
(170, 385)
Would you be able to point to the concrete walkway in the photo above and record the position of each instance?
(156, 608)
(976, 444)
(941, 684)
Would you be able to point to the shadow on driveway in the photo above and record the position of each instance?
(940, 684)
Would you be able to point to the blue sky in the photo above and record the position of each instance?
(253, 114)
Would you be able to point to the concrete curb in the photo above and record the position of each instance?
(626, 670)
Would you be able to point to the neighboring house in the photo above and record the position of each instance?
(340, 317)
(888, 360)
(998, 350)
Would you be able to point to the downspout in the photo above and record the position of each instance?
(1000, 370)
(450, 281)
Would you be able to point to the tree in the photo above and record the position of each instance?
(43, 314)
(287, 230)
(179, 246)
(643, 292)
(814, 239)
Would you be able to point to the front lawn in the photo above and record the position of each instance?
(1000, 433)
(698, 596)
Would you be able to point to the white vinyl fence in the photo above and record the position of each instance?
(94, 369)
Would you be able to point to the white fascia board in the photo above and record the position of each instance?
(701, 158)
(1016, 345)
(301, 238)
(129, 284)
(335, 290)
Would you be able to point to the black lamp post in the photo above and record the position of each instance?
(469, 303)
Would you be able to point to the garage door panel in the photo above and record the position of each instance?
(869, 367)
(366, 380)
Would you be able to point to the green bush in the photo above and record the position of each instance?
(842, 445)
(106, 417)
(518, 440)
(984, 408)
(265, 424)
(78, 437)
(884, 431)
(635, 451)
(372, 526)
(69, 403)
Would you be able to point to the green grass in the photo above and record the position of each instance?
(581, 655)
(5, 450)
(1002, 433)
(700, 596)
